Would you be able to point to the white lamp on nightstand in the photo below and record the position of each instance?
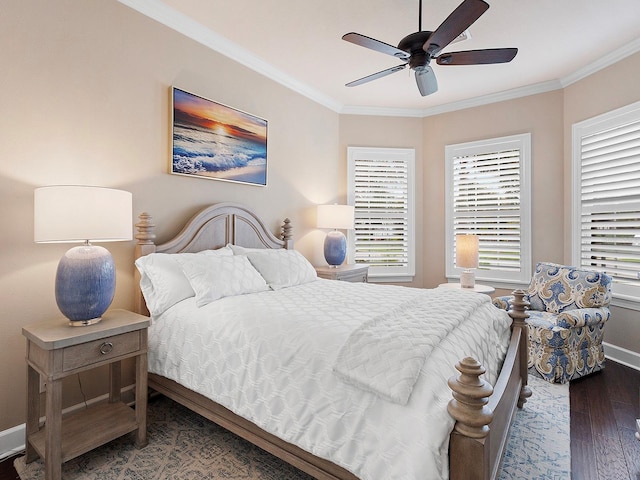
(335, 243)
(467, 258)
(85, 279)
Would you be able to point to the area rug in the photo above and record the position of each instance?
(539, 441)
(185, 446)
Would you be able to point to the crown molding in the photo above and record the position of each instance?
(453, 106)
(494, 98)
(188, 27)
(381, 111)
(158, 11)
(604, 62)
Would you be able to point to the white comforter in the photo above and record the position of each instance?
(269, 357)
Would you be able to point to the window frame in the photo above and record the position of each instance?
(497, 278)
(624, 295)
(406, 155)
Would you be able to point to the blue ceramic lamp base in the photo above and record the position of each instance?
(85, 284)
(335, 248)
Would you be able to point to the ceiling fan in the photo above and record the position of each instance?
(419, 48)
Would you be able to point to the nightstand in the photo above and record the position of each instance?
(477, 288)
(56, 350)
(356, 273)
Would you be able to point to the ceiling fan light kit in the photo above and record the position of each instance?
(419, 48)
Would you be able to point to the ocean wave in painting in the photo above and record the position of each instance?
(201, 151)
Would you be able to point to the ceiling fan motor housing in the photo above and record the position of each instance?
(413, 44)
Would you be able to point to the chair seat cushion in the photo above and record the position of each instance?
(561, 354)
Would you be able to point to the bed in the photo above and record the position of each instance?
(348, 427)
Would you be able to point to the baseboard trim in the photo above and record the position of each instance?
(622, 355)
(12, 439)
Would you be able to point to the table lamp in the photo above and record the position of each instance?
(467, 258)
(85, 278)
(335, 243)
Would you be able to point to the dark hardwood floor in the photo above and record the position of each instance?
(604, 407)
(7, 472)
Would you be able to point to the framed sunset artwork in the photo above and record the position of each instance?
(214, 141)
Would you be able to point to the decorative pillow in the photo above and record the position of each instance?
(282, 268)
(223, 276)
(162, 281)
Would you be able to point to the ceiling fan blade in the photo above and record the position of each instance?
(456, 23)
(426, 80)
(478, 57)
(376, 45)
(375, 76)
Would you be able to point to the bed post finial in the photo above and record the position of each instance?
(145, 227)
(287, 235)
(470, 397)
(518, 312)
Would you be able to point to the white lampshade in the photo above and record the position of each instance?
(85, 278)
(336, 216)
(466, 251)
(73, 213)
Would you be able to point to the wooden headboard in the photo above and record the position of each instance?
(211, 228)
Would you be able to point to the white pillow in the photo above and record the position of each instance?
(282, 268)
(223, 276)
(238, 250)
(162, 281)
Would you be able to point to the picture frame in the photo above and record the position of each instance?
(214, 141)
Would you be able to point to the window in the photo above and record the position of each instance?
(606, 199)
(380, 187)
(488, 194)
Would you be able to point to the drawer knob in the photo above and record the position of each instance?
(106, 348)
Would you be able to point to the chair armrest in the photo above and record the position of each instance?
(581, 317)
(503, 302)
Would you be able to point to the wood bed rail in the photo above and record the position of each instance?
(476, 411)
(518, 312)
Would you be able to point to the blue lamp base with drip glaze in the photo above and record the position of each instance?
(85, 284)
(335, 248)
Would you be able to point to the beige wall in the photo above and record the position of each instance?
(540, 115)
(84, 93)
(609, 89)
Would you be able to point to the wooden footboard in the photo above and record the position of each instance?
(483, 413)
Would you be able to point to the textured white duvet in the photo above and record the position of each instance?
(269, 357)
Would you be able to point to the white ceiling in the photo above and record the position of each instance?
(298, 43)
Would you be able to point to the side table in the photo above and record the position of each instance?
(357, 273)
(55, 350)
(487, 289)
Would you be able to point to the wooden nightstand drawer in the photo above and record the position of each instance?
(100, 350)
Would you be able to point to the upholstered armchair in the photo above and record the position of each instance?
(567, 316)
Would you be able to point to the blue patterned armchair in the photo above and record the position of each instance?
(568, 312)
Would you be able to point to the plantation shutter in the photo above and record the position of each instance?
(609, 218)
(486, 202)
(380, 182)
(489, 195)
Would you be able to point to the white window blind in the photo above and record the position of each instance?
(607, 213)
(381, 190)
(487, 196)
